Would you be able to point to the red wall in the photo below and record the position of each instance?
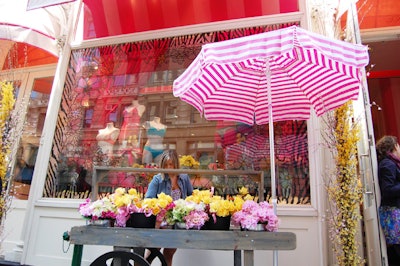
(385, 92)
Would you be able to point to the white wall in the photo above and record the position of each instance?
(13, 230)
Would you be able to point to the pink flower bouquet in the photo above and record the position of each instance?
(253, 213)
(196, 219)
(192, 214)
(102, 208)
(122, 203)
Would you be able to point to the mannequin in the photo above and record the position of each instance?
(107, 137)
(154, 145)
(131, 124)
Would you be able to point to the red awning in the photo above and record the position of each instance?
(105, 18)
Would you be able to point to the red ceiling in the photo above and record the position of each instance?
(383, 13)
(377, 13)
(26, 55)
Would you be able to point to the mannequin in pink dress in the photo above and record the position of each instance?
(131, 124)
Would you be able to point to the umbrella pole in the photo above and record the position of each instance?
(272, 159)
(271, 151)
(272, 164)
(271, 139)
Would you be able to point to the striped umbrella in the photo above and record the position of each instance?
(273, 76)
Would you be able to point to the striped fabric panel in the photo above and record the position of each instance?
(257, 146)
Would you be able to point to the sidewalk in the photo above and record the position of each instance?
(10, 263)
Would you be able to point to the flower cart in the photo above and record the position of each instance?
(195, 212)
(126, 238)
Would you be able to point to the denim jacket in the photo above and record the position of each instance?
(162, 183)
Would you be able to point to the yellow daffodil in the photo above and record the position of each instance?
(6, 107)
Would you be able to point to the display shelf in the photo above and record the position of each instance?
(104, 176)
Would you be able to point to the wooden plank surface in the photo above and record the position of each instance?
(186, 239)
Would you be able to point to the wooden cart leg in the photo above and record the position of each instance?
(248, 258)
(237, 257)
(139, 251)
(77, 255)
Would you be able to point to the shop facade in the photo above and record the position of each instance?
(101, 84)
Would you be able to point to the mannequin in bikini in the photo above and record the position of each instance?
(154, 145)
(107, 138)
(131, 124)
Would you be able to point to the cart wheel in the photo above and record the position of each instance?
(155, 253)
(125, 258)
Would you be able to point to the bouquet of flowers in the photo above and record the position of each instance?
(221, 207)
(218, 209)
(103, 208)
(193, 214)
(130, 201)
(253, 213)
(122, 203)
(217, 205)
(187, 161)
(200, 196)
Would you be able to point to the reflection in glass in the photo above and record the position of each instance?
(103, 81)
(30, 136)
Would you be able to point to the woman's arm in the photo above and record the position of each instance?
(153, 188)
(187, 184)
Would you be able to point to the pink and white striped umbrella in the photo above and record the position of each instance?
(273, 76)
(299, 70)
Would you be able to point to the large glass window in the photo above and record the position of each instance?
(118, 110)
(25, 158)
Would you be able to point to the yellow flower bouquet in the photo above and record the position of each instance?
(131, 201)
(187, 161)
(217, 207)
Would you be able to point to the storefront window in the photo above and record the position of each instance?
(118, 110)
(36, 107)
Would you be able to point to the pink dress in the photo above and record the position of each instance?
(131, 124)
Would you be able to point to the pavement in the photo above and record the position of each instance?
(10, 263)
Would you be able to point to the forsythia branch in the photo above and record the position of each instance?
(344, 187)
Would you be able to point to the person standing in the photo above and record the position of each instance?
(388, 153)
(178, 186)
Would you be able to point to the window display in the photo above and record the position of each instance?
(126, 89)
